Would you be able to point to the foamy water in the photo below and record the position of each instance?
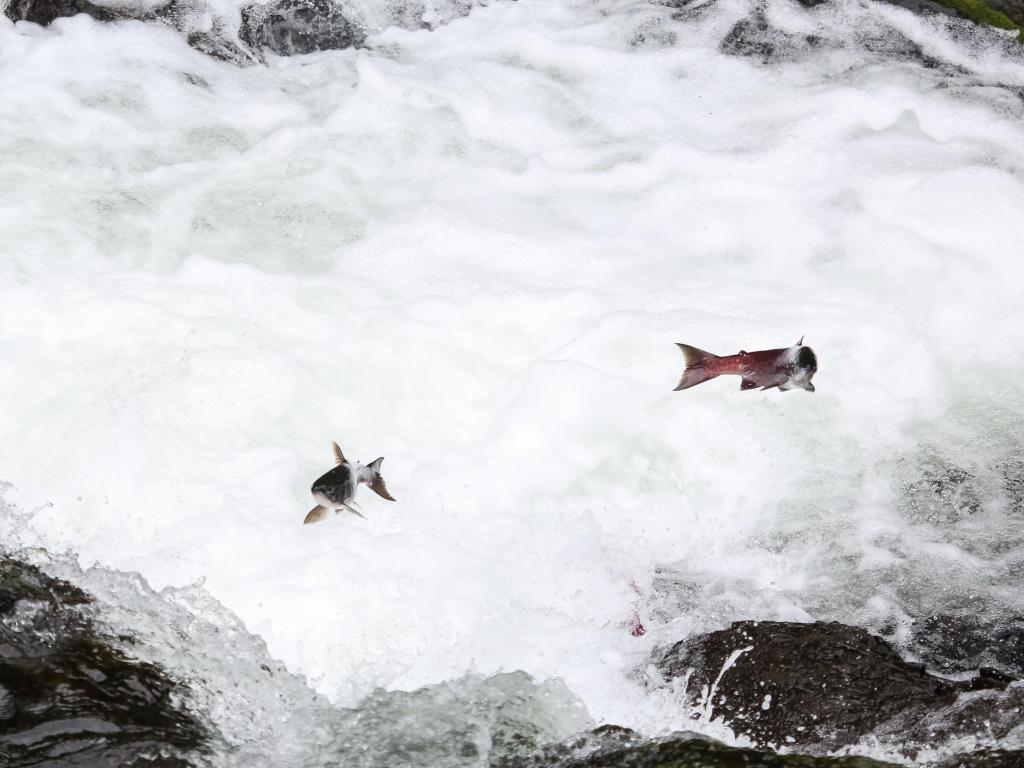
(470, 250)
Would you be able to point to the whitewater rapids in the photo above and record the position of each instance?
(470, 250)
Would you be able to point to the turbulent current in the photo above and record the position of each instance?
(470, 248)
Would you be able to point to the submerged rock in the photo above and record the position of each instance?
(818, 684)
(614, 747)
(68, 697)
(290, 27)
(925, 7)
(938, 491)
(756, 38)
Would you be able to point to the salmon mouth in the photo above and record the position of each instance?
(323, 501)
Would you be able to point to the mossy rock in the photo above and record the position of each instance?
(981, 12)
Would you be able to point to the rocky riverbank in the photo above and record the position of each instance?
(801, 693)
(69, 697)
(294, 27)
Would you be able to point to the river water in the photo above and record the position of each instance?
(470, 249)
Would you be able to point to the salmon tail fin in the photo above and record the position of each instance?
(377, 483)
(696, 371)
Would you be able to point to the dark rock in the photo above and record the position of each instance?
(44, 11)
(290, 27)
(894, 45)
(806, 684)
(1012, 8)
(1011, 469)
(925, 7)
(690, 10)
(952, 644)
(224, 49)
(68, 698)
(755, 38)
(216, 43)
(974, 716)
(614, 747)
(986, 758)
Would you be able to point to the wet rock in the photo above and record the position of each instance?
(755, 38)
(179, 14)
(938, 491)
(44, 11)
(290, 27)
(690, 10)
(68, 697)
(1011, 469)
(975, 716)
(894, 45)
(952, 644)
(224, 49)
(652, 33)
(613, 747)
(784, 683)
(986, 758)
(438, 14)
(925, 7)
(1012, 8)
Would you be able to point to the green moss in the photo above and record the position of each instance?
(982, 13)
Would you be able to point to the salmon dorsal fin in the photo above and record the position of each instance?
(339, 457)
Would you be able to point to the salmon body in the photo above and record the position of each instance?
(787, 368)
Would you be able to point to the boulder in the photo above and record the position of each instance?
(69, 697)
(290, 27)
(953, 644)
(613, 747)
(44, 11)
(820, 684)
(754, 37)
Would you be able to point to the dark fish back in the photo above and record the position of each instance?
(336, 485)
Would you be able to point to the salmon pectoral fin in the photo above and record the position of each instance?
(748, 384)
(316, 514)
(696, 371)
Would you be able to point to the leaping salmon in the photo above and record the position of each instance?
(337, 489)
(789, 368)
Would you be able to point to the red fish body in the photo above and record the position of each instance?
(789, 368)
